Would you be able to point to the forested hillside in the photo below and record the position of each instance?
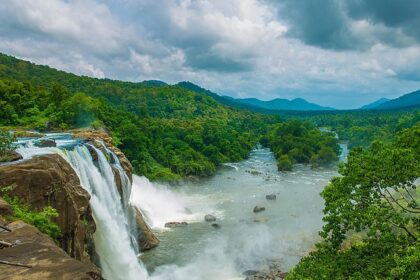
(166, 131)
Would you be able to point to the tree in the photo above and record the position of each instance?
(6, 140)
(376, 193)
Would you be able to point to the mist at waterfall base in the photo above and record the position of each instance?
(284, 232)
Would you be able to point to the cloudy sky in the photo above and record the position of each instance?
(340, 53)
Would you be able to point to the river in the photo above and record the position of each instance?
(239, 239)
(243, 240)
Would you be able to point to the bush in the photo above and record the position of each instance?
(40, 219)
(285, 163)
(6, 140)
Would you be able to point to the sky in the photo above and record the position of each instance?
(339, 53)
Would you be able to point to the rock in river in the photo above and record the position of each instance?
(175, 224)
(210, 218)
(44, 143)
(258, 209)
(271, 197)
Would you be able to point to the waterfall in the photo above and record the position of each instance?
(113, 239)
(116, 231)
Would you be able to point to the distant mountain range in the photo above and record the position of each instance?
(297, 104)
(407, 100)
(375, 104)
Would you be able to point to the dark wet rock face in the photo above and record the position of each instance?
(258, 209)
(210, 218)
(176, 224)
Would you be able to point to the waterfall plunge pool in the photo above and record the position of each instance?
(243, 240)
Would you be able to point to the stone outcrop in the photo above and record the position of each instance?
(45, 260)
(146, 239)
(9, 156)
(50, 181)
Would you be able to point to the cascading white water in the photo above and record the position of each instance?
(126, 192)
(113, 242)
(160, 205)
(115, 223)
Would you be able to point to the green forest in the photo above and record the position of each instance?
(167, 132)
(372, 210)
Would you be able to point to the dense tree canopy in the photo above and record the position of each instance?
(301, 142)
(376, 196)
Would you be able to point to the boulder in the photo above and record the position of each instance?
(209, 218)
(216, 226)
(45, 260)
(146, 238)
(271, 197)
(46, 143)
(258, 209)
(9, 156)
(175, 224)
(50, 181)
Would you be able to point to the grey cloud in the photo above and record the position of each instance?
(404, 15)
(330, 24)
(260, 48)
(318, 22)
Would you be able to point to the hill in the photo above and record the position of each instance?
(407, 100)
(167, 132)
(374, 104)
(254, 104)
(297, 104)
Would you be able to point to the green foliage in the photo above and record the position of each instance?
(371, 259)
(361, 128)
(300, 142)
(285, 163)
(6, 140)
(43, 220)
(377, 195)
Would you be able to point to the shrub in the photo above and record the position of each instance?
(6, 140)
(40, 219)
